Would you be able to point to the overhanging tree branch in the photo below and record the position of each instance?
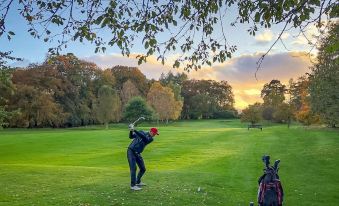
(192, 24)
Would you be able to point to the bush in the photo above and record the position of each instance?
(227, 114)
(137, 107)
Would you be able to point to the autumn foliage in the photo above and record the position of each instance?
(65, 91)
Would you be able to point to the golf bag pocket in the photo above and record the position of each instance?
(270, 194)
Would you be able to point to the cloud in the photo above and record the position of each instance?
(23, 63)
(309, 37)
(264, 38)
(239, 72)
(285, 35)
(252, 91)
(152, 68)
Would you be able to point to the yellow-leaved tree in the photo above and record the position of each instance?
(164, 103)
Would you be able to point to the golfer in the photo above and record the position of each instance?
(140, 140)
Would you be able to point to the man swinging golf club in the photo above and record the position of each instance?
(140, 140)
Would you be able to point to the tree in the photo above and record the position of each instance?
(306, 116)
(77, 91)
(170, 78)
(298, 90)
(324, 87)
(108, 105)
(137, 107)
(128, 91)
(104, 77)
(252, 114)
(273, 93)
(6, 85)
(37, 108)
(193, 25)
(267, 112)
(7, 89)
(176, 88)
(201, 107)
(175, 82)
(227, 114)
(274, 107)
(4, 115)
(67, 83)
(283, 114)
(5, 56)
(291, 108)
(164, 103)
(123, 74)
(299, 101)
(62, 91)
(209, 96)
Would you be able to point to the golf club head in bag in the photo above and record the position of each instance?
(266, 160)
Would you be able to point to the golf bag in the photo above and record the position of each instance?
(270, 192)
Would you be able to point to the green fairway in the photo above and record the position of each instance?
(88, 166)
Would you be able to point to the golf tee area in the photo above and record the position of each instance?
(201, 162)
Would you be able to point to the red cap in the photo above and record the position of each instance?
(154, 130)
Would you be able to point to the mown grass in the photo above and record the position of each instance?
(88, 166)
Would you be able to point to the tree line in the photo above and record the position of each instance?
(65, 91)
(312, 98)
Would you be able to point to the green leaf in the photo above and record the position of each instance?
(76, 35)
(140, 60)
(334, 13)
(153, 27)
(257, 17)
(152, 42)
(176, 64)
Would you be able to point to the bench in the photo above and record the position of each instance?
(259, 126)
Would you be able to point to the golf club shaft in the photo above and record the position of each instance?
(138, 120)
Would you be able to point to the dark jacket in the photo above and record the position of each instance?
(140, 140)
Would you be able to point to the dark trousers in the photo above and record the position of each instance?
(133, 160)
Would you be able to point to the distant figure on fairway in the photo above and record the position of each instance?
(140, 140)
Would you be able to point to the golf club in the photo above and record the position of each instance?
(276, 165)
(140, 118)
(131, 126)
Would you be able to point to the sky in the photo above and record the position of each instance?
(284, 62)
